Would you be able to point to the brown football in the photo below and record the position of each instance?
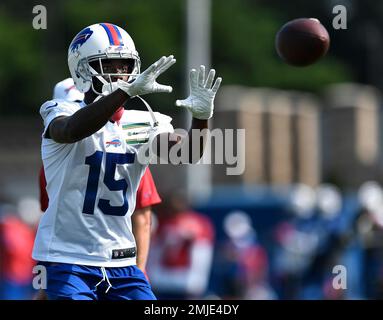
(302, 42)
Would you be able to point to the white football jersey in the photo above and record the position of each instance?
(92, 187)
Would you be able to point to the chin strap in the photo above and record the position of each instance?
(155, 122)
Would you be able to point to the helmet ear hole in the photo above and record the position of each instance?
(77, 74)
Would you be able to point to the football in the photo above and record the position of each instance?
(302, 42)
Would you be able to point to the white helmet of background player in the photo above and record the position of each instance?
(95, 43)
(66, 90)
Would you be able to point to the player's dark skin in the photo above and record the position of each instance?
(92, 117)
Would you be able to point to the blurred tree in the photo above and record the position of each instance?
(156, 28)
(243, 33)
(243, 42)
(20, 60)
(359, 46)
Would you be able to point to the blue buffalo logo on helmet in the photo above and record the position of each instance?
(80, 39)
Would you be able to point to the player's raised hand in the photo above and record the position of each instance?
(146, 82)
(200, 101)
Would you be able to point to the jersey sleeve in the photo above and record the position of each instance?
(147, 194)
(56, 108)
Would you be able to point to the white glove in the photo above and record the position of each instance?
(145, 82)
(200, 101)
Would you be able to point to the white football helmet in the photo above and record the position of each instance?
(95, 43)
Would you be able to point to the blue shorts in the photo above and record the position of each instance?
(77, 282)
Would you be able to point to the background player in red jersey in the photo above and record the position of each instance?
(182, 251)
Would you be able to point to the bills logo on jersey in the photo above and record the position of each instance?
(115, 143)
(80, 39)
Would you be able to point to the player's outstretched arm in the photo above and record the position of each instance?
(87, 120)
(94, 116)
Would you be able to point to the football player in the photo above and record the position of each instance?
(90, 153)
(147, 194)
(146, 197)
